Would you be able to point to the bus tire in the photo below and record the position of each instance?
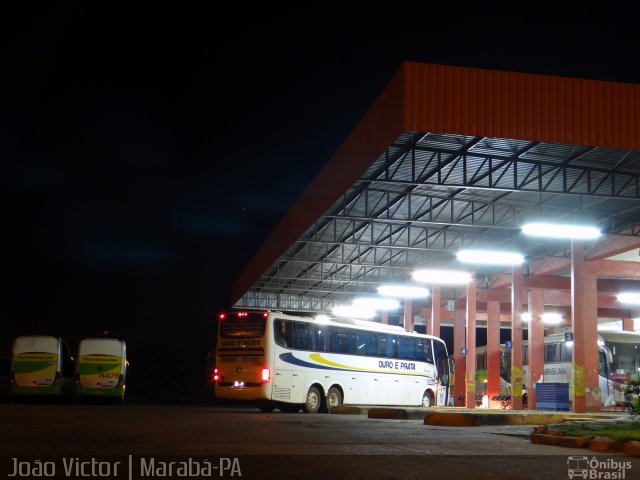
(427, 399)
(313, 402)
(334, 398)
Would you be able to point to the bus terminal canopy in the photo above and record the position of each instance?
(450, 158)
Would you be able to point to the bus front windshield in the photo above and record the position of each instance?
(625, 359)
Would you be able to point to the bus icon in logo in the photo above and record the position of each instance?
(578, 467)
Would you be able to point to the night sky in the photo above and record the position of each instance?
(147, 152)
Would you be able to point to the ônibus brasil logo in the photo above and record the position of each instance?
(597, 468)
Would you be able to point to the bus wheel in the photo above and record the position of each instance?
(266, 408)
(427, 399)
(314, 401)
(334, 398)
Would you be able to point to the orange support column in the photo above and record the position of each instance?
(435, 311)
(627, 324)
(535, 350)
(458, 344)
(408, 314)
(584, 321)
(470, 394)
(426, 314)
(384, 317)
(493, 349)
(516, 338)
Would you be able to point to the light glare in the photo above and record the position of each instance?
(551, 318)
(629, 297)
(377, 303)
(442, 277)
(403, 291)
(490, 257)
(556, 230)
(352, 311)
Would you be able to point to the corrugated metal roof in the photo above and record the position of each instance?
(452, 157)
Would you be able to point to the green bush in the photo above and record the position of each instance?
(633, 394)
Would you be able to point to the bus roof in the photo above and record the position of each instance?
(343, 322)
(611, 336)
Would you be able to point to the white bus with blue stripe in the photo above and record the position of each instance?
(292, 362)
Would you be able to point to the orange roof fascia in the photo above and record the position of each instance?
(524, 106)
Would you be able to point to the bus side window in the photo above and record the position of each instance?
(343, 341)
(278, 332)
(365, 343)
(602, 364)
(382, 345)
(551, 355)
(566, 352)
(406, 348)
(423, 350)
(319, 338)
(300, 335)
(439, 350)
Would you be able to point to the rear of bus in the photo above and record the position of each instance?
(243, 369)
(101, 369)
(36, 367)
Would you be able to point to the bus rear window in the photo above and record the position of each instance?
(248, 325)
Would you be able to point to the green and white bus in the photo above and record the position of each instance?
(41, 366)
(292, 362)
(101, 369)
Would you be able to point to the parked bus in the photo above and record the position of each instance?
(618, 362)
(482, 372)
(289, 362)
(41, 365)
(101, 369)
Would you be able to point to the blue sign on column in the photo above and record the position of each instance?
(507, 344)
(568, 336)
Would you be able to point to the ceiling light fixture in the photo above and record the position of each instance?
(376, 303)
(629, 297)
(556, 230)
(403, 291)
(490, 257)
(551, 318)
(442, 277)
(353, 311)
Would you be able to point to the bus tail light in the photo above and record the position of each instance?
(215, 376)
(265, 375)
(120, 381)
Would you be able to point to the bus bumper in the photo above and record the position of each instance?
(262, 392)
(100, 392)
